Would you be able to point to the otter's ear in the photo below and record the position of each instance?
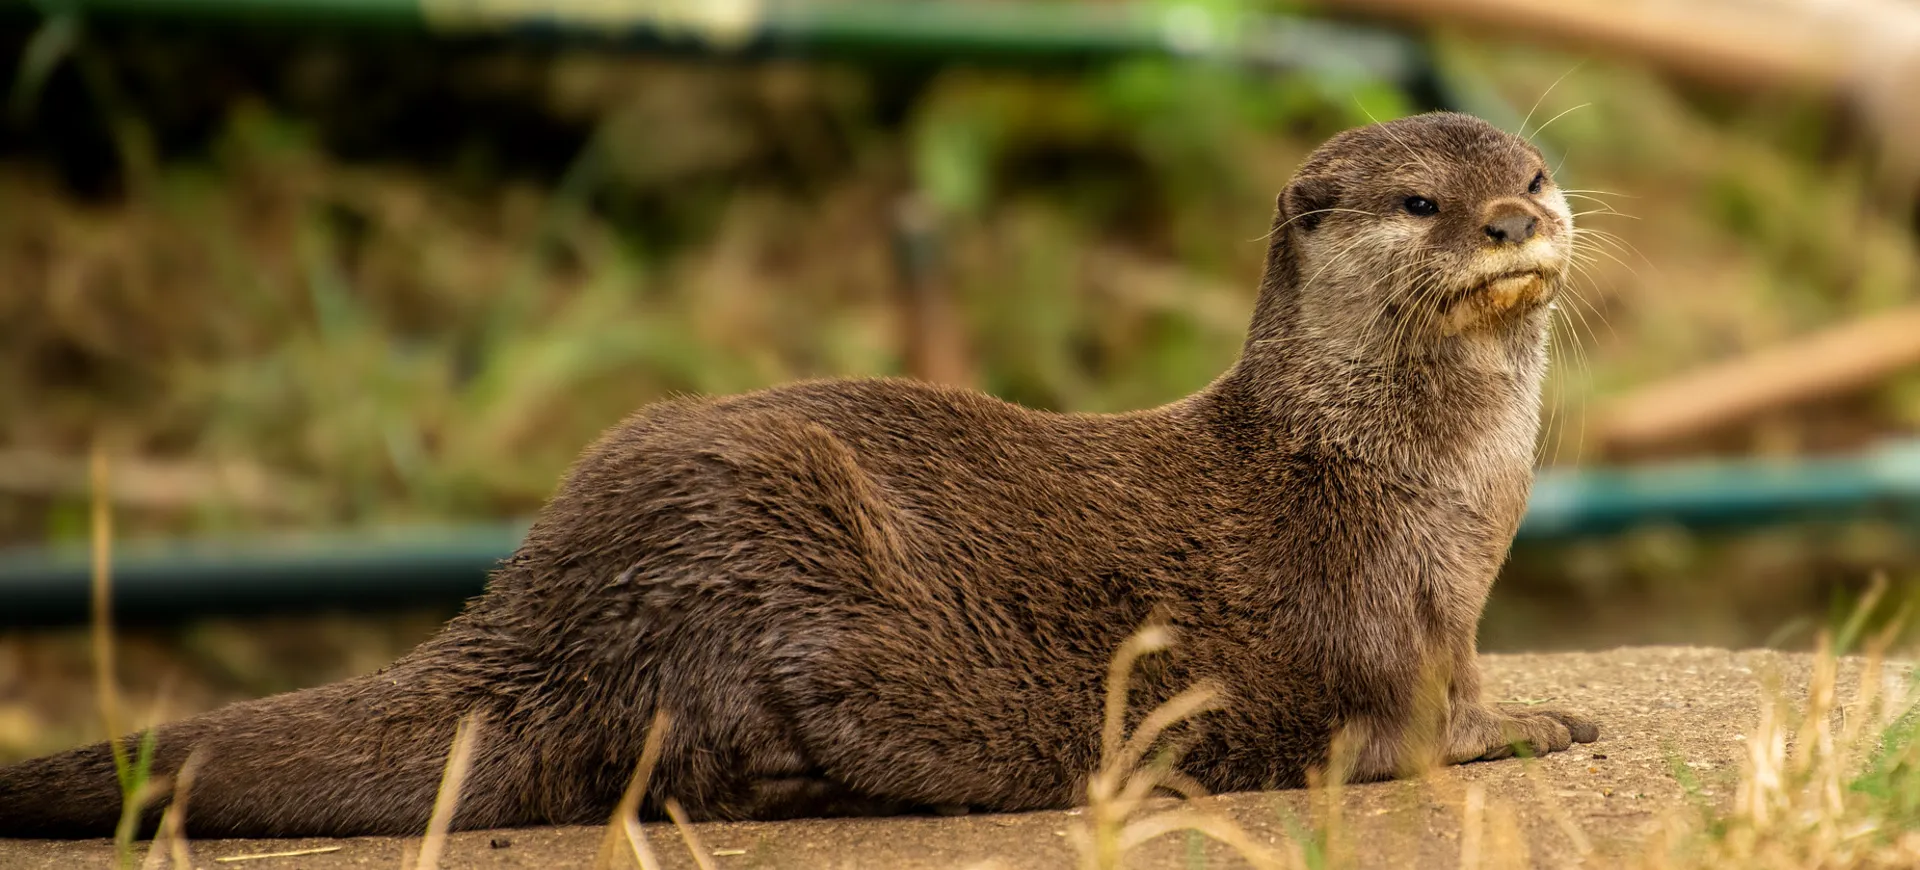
(1305, 201)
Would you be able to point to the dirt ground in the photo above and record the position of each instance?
(1658, 707)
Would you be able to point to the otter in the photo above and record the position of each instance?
(880, 595)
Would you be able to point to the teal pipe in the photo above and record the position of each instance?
(166, 581)
(922, 30)
(1709, 495)
(438, 566)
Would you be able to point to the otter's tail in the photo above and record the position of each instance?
(363, 756)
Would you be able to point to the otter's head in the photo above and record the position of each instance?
(1399, 236)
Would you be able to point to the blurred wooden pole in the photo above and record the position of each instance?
(1768, 43)
(933, 336)
(1835, 361)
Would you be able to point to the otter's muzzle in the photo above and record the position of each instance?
(1509, 291)
(1497, 297)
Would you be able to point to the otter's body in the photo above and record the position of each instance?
(874, 596)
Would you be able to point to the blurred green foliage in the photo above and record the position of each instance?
(403, 281)
(411, 281)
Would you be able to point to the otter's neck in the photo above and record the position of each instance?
(1459, 403)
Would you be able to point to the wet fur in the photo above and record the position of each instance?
(875, 596)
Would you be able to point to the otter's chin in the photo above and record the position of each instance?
(1508, 292)
(1500, 300)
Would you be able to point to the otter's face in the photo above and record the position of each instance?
(1424, 228)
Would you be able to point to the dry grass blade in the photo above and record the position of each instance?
(290, 853)
(1326, 789)
(1506, 840)
(1472, 820)
(637, 842)
(1117, 791)
(105, 680)
(1147, 641)
(1218, 827)
(459, 761)
(1831, 786)
(134, 792)
(694, 846)
(173, 823)
(625, 824)
(1179, 708)
(1556, 808)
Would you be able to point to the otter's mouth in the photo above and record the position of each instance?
(1496, 299)
(1509, 290)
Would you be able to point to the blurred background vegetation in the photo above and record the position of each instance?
(303, 279)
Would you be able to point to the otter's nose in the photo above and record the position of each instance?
(1511, 229)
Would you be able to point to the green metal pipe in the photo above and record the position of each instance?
(168, 581)
(923, 31)
(1709, 496)
(163, 582)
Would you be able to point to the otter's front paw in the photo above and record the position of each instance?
(1494, 734)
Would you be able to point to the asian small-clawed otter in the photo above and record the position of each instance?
(860, 596)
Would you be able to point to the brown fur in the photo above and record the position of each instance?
(880, 595)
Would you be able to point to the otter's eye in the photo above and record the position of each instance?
(1420, 205)
(1539, 181)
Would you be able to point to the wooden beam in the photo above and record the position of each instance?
(1843, 359)
(1768, 43)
